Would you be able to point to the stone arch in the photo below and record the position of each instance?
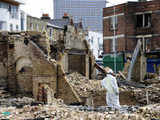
(23, 62)
(24, 71)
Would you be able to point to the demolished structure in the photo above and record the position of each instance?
(29, 70)
(32, 64)
(61, 72)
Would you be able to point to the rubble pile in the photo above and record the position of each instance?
(153, 93)
(9, 100)
(59, 111)
(16, 102)
(150, 112)
(83, 85)
(24, 108)
(92, 88)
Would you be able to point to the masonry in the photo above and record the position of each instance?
(28, 70)
(133, 21)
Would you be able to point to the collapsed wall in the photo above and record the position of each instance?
(30, 71)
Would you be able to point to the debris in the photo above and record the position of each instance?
(83, 85)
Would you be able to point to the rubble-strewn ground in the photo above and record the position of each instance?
(58, 111)
(89, 86)
(134, 93)
(24, 108)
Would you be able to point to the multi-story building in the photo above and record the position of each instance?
(43, 25)
(23, 20)
(10, 19)
(90, 12)
(133, 21)
(123, 26)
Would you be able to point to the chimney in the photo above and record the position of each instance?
(65, 16)
(45, 17)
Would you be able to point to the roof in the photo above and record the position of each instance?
(59, 22)
(13, 2)
(63, 22)
(52, 25)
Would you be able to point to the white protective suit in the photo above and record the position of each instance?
(112, 95)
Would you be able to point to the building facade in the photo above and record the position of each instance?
(89, 11)
(133, 21)
(36, 24)
(43, 26)
(10, 19)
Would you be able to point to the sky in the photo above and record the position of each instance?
(37, 7)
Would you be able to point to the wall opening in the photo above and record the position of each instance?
(143, 20)
(73, 66)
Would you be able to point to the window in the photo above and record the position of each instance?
(3, 5)
(113, 21)
(1, 25)
(17, 27)
(13, 10)
(50, 33)
(22, 21)
(11, 27)
(37, 27)
(143, 20)
(31, 26)
(9, 8)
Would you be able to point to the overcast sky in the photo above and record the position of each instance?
(37, 7)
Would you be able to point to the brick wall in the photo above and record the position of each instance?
(24, 62)
(29, 71)
(127, 24)
(3, 59)
(65, 91)
(107, 31)
(106, 46)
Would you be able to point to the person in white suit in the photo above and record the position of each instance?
(110, 84)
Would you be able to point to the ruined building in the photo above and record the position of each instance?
(31, 65)
(74, 48)
(133, 21)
